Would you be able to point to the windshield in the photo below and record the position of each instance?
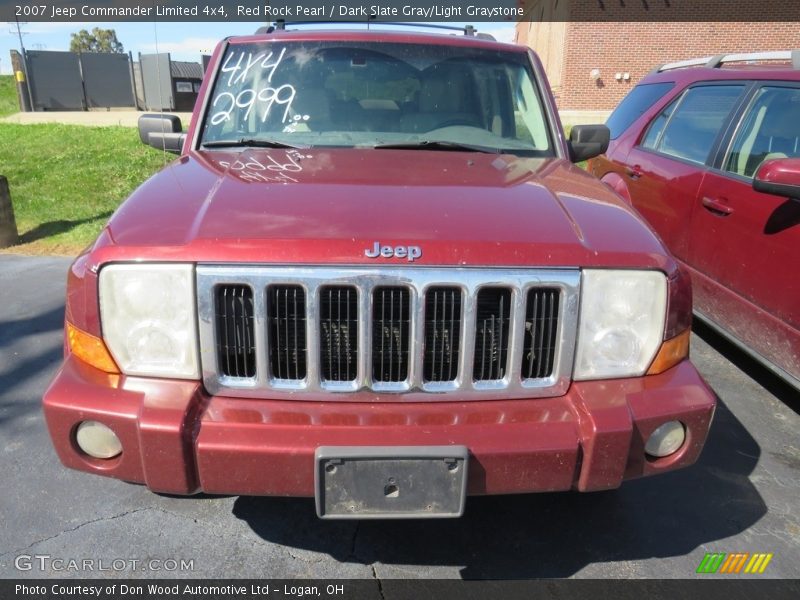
(355, 94)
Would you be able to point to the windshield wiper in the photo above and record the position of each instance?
(437, 145)
(254, 142)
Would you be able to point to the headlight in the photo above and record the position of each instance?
(621, 322)
(148, 319)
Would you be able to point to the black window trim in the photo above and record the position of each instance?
(732, 130)
(744, 96)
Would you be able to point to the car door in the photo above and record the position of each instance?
(745, 245)
(665, 170)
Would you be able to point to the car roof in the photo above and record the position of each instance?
(749, 72)
(363, 35)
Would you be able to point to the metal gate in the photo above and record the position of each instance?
(157, 80)
(107, 80)
(71, 81)
(55, 80)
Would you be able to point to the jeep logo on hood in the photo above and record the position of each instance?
(411, 253)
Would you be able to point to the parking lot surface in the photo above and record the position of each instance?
(742, 496)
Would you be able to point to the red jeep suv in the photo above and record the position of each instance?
(708, 151)
(375, 277)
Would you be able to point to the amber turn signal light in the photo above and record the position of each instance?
(671, 353)
(90, 349)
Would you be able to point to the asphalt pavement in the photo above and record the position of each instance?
(742, 496)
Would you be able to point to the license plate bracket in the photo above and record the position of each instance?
(390, 482)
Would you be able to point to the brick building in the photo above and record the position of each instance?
(595, 51)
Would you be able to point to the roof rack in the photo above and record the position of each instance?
(469, 30)
(715, 62)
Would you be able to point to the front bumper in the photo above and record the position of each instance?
(177, 439)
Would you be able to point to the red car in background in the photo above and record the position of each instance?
(708, 151)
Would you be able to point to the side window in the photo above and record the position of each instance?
(770, 129)
(657, 127)
(529, 115)
(687, 129)
(634, 105)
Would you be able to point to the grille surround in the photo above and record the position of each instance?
(418, 280)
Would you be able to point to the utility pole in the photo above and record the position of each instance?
(21, 76)
(19, 34)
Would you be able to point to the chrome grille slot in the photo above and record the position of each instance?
(491, 334)
(541, 325)
(391, 320)
(286, 313)
(373, 334)
(338, 320)
(442, 333)
(236, 350)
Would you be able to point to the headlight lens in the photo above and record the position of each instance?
(148, 318)
(621, 322)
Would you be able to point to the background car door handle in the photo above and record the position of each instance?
(718, 207)
(633, 172)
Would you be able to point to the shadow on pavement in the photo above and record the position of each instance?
(546, 535)
(12, 331)
(16, 371)
(752, 368)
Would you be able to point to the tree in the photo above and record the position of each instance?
(99, 40)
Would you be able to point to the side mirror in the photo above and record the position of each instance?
(779, 177)
(588, 141)
(162, 132)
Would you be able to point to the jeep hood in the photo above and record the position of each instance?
(329, 205)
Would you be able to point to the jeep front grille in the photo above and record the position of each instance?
(442, 334)
(491, 334)
(541, 325)
(391, 321)
(286, 316)
(235, 340)
(427, 333)
(338, 327)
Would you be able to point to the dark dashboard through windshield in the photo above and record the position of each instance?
(376, 94)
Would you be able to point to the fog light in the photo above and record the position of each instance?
(97, 440)
(666, 439)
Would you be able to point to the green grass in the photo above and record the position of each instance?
(66, 180)
(8, 96)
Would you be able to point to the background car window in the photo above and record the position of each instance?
(770, 129)
(690, 129)
(634, 105)
(653, 134)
